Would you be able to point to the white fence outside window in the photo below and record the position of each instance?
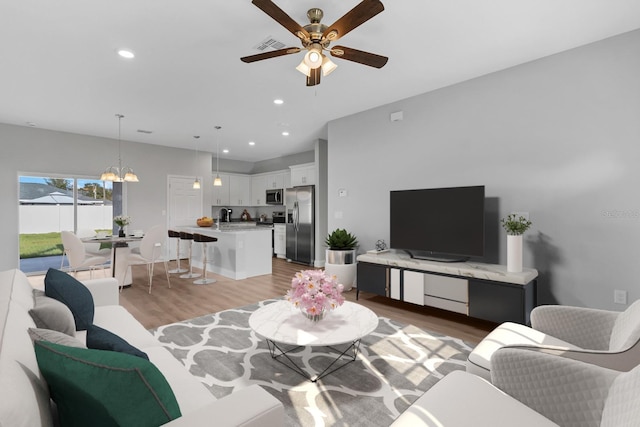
(36, 219)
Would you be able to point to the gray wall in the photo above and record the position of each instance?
(35, 151)
(558, 138)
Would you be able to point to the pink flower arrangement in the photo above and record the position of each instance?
(314, 292)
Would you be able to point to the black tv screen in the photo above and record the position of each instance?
(445, 224)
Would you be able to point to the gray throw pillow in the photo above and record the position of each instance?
(49, 313)
(38, 334)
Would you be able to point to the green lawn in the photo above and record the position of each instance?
(41, 245)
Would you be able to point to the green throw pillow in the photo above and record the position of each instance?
(105, 388)
(69, 291)
(101, 339)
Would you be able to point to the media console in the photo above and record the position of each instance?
(482, 291)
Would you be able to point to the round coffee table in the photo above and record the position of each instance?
(281, 324)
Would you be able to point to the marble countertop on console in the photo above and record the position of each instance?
(494, 272)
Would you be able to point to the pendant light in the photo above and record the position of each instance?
(217, 182)
(196, 183)
(119, 173)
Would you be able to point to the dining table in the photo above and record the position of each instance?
(120, 249)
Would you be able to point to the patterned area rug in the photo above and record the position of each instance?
(396, 364)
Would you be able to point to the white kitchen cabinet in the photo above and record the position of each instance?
(303, 174)
(280, 240)
(221, 194)
(239, 190)
(258, 190)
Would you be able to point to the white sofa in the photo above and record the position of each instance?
(530, 389)
(24, 395)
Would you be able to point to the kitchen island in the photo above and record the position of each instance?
(242, 250)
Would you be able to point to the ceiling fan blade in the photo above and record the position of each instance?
(280, 16)
(357, 16)
(314, 77)
(359, 56)
(272, 54)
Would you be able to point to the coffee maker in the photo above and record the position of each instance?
(225, 214)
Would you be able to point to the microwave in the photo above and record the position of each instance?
(275, 197)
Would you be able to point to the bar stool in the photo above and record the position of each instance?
(176, 235)
(188, 237)
(204, 239)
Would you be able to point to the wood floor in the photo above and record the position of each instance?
(185, 300)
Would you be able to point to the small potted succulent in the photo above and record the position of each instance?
(341, 257)
(515, 226)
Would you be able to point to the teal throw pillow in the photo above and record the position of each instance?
(69, 291)
(105, 388)
(101, 339)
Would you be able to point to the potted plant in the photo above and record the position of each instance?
(515, 226)
(341, 257)
(122, 221)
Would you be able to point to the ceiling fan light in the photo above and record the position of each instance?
(313, 58)
(303, 68)
(328, 66)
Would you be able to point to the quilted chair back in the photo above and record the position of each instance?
(626, 329)
(151, 243)
(621, 408)
(74, 248)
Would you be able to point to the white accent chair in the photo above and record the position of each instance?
(530, 390)
(75, 252)
(148, 253)
(607, 338)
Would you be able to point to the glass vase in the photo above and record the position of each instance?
(313, 317)
(121, 232)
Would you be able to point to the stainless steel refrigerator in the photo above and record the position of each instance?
(300, 224)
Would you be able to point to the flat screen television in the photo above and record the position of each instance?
(440, 224)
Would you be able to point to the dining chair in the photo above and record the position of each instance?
(76, 253)
(148, 253)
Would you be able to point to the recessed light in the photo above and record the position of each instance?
(31, 124)
(126, 53)
(285, 133)
(278, 101)
(252, 143)
(226, 150)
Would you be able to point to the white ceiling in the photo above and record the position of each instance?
(59, 68)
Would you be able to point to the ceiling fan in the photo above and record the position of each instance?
(316, 37)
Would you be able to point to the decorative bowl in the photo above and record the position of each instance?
(204, 222)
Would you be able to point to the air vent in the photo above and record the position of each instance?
(269, 42)
(145, 131)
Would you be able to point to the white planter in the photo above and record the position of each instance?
(343, 265)
(514, 254)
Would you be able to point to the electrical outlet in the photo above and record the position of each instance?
(619, 296)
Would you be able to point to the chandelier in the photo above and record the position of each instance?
(119, 173)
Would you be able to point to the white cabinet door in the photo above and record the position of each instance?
(221, 194)
(280, 240)
(239, 190)
(286, 179)
(414, 287)
(394, 282)
(258, 190)
(274, 181)
(303, 175)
